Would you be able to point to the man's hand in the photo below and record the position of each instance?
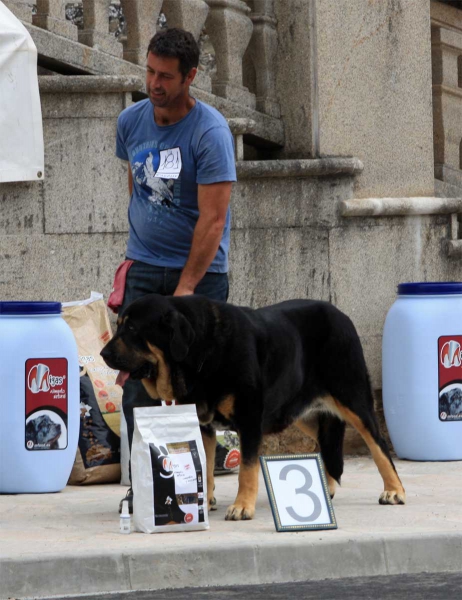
(183, 291)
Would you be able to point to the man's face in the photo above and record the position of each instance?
(164, 81)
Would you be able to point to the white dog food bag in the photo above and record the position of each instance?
(169, 475)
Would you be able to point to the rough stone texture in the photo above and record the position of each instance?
(20, 8)
(229, 26)
(82, 84)
(262, 273)
(241, 126)
(262, 55)
(186, 14)
(21, 208)
(392, 207)
(95, 31)
(95, 191)
(141, 18)
(375, 92)
(51, 16)
(268, 130)
(58, 267)
(295, 86)
(299, 168)
(447, 190)
(288, 201)
(82, 106)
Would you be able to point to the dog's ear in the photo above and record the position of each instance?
(182, 335)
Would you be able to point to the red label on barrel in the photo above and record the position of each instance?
(450, 378)
(46, 403)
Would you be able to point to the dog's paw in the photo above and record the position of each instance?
(213, 503)
(332, 486)
(239, 512)
(392, 497)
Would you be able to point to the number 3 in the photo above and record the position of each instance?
(305, 489)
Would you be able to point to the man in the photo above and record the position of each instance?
(181, 169)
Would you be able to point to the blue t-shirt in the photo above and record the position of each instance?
(167, 163)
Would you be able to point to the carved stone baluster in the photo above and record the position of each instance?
(51, 15)
(95, 31)
(189, 15)
(20, 8)
(141, 19)
(230, 29)
(263, 51)
(186, 14)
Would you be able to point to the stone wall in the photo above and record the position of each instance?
(362, 87)
(62, 237)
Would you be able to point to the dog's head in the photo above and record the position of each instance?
(43, 430)
(151, 334)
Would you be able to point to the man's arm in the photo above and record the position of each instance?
(213, 201)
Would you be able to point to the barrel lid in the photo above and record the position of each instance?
(430, 288)
(30, 308)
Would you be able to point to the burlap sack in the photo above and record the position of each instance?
(98, 456)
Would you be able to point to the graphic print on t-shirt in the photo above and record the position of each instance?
(149, 173)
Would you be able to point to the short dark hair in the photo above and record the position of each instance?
(176, 43)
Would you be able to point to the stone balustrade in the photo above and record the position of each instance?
(96, 27)
(262, 50)
(51, 15)
(239, 31)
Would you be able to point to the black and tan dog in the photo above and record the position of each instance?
(256, 371)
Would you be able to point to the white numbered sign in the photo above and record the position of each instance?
(298, 492)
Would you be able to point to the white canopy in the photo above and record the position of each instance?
(21, 133)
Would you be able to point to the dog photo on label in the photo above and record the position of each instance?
(255, 371)
(42, 433)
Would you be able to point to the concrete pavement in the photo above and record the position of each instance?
(68, 543)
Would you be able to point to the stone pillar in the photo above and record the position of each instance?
(230, 29)
(51, 15)
(374, 90)
(95, 31)
(189, 15)
(296, 86)
(141, 18)
(186, 14)
(263, 52)
(20, 8)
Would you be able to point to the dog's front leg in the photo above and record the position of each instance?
(244, 505)
(209, 439)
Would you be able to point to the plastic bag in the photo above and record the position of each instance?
(169, 475)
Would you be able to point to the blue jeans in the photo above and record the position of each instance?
(145, 279)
